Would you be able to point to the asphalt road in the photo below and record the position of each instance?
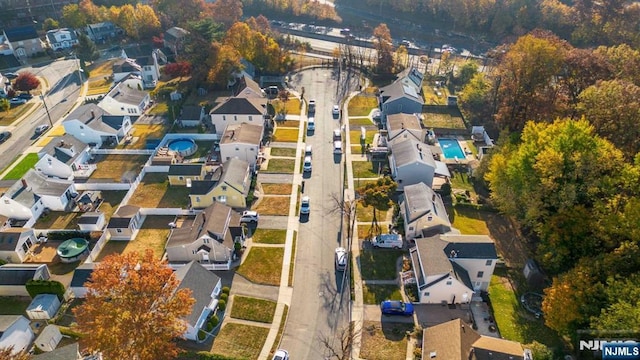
(320, 304)
(64, 89)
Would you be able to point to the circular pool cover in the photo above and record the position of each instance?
(184, 147)
(72, 249)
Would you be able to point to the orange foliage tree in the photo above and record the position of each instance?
(133, 309)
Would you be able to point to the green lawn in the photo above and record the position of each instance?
(355, 135)
(283, 152)
(365, 169)
(154, 191)
(360, 122)
(263, 265)
(269, 236)
(13, 305)
(286, 166)
(253, 309)
(273, 205)
(469, 221)
(375, 294)
(239, 341)
(22, 167)
(386, 341)
(362, 105)
(286, 135)
(379, 264)
(461, 181)
(291, 107)
(366, 213)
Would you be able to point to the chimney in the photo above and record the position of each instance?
(24, 183)
(93, 114)
(61, 143)
(403, 126)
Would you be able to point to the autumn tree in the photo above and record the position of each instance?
(476, 99)
(7, 353)
(623, 309)
(378, 196)
(26, 81)
(86, 50)
(73, 17)
(260, 49)
(133, 294)
(148, 23)
(180, 12)
(383, 45)
(226, 12)
(623, 62)
(92, 12)
(181, 68)
(5, 105)
(227, 63)
(50, 24)
(583, 68)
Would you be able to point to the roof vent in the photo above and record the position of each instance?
(432, 355)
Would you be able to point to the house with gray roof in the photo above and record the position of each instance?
(237, 110)
(174, 39)
(450, 268)
(400, 97)
(24, 41)
(205, 289)
(65, 157)
(27, 198)
(229, 185)
(423, 212)
(208, 238)
(62, 39)
(403, 126)
(95, 126)
(245, 87)
(14, 277)
(191, 115)
(92, 221)
(15, 243)
(99, 33)
(184, 174)
(412, 162)
(123, 100)
(242, 141)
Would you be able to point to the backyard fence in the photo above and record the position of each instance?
(95, 151)
(167, 211)
(102, 186)
(93, 255)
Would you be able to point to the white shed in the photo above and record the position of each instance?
(43, 307)
(49, 338)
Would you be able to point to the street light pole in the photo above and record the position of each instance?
(46, 109)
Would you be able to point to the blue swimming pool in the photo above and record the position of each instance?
(183, 147)
(451, 149)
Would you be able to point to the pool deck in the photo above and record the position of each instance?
(463, 146)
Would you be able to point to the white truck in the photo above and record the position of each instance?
(388, 241)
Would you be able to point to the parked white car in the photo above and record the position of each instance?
(249, 217)
(305, 205)
(311, 124)
(341, 259)
(308, 151)
(335, 110)
(337, 147)
(306, 167)
(388, 241)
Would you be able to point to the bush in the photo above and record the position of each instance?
(224, 296)
(214, 321)
(210, 326)
(225, 290)
(204, 355)
(222, 305)
(36, 287)
(202, 335)
(66, 235)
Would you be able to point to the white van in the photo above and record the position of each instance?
(337, 134)
(311, 124)
(337, 147)
(388, 241)
(308, 151)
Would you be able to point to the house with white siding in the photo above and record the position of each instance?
(65, 157)
(95, 126)
(237, 110)
(242, 141)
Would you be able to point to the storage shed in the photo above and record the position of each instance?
(49, 338)
(534, 275)
(43, 307)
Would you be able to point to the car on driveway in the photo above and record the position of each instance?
(341, 259)
(281, 355)
(335, 110)
(17, 101)
(377, 115)
(305, 205)
(4, 136)
(306, 167)
(249, 217)
(25, 96)
(396, 307)
(41, 128)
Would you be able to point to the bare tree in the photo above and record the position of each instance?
(339, 346)
(346, 208)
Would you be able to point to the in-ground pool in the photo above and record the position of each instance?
(451, 149)
(72, 250)
(183, 147)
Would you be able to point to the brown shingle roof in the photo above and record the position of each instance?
(242, 133)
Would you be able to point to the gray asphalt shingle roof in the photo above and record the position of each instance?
(127, 95)
(96, 118)
(201, 282)
(241, 106)
(410, 151)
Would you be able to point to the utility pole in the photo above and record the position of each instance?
(46, 109)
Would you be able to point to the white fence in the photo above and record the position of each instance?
(93, 255)
(102, 186)
(194, 137)
(167, 211)
(157, 168)
(95, 151)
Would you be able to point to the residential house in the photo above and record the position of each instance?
(423, 212)
(14, 277)
(95, 126)
(125, 223)
(99, 33)
(412, 162)
(209, 238)
(146, 67)
(15, 331)
(450, 268)
(65, 157)
(399, 97)
(403, 126)
(191, 115)
(125, 101)
(24, 41)
(456, 340)
(15, 243)
(229, 185)
(81, 275)
(185, 174)
(49, 339)
(174, 39)
(92, 221)
(122, 68)
(242, 141)
(29, 196)
(5, 85)
(67, 352)
(236, 110)
(62, 39)
(5, 48)
(412, 77)
(205, 289)
(245, 87)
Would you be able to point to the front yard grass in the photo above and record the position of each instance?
(354, 136)
(14, 113)
(154, 191)
(99, 86)
(363, 231)
(379, 264)
(468, 221)
(366, 169)
(58, 220)
(269, 236)
(291, 106)
(152, 235)
(273, 205)
(375, 294)
(361, 121)
(286, 166)
(22, 167)
(366, 213)
(253, 309)
(361, 105)
(283, 152)
(114, 167)
(14, 305)
(239, 341)
(288, 123)
(286, 135)
(263, 265)
(276, 189)
(384, 341)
